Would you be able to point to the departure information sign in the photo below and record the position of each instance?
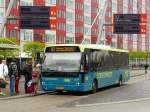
(129, 23)
(35, 17)
(35, 23)
(127, 18)
(34, 11)
(63, 49)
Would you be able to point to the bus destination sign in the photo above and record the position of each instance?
(63, 49)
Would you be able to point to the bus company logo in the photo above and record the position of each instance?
(104, 75)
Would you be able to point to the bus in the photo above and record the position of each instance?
(83, 68)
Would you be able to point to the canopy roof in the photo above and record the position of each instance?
(8, 46)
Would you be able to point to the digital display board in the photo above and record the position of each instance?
(62, 49)
(127, 18)
(35, 23)
(34, 11)
(129, 29)
(129, 23)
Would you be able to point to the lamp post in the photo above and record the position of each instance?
(20, 42)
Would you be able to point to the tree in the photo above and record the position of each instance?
(32, 48)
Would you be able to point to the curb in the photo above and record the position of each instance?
(137, 75)
(23, 96)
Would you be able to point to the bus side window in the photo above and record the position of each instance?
(99, 59)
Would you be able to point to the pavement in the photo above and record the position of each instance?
(133, 73)
(138, 72)
(22, 93)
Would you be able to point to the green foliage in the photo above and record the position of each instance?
(32, 48)
(7, 53)
(8, 41)
(133, 55)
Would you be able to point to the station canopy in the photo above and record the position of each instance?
(8, 46)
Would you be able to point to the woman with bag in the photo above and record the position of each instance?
(35, 77)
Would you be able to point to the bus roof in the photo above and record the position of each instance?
(90, 46)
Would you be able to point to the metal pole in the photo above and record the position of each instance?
(102, 22)
(91, 26)
(6, 16)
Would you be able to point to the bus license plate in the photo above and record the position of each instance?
(60, 88)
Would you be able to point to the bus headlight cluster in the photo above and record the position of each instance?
(78, 83)
(43, 83)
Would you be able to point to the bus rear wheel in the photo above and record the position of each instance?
(94, 86)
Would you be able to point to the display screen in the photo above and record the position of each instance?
(62, 49)
(37, 11)
(35, 23)
(127, 29)
(127, 18)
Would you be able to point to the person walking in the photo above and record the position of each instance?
(146, 67)
(3, 74)
(13, 74)
(35, 77)
(27, 73)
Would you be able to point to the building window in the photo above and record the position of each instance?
(26, 2)
(38, 37)
(61, 2)
(2, 3)
(26, 35)
(79, 6)
(13, 33)
(60, 39)
(50, 38)
(1, 14)
(69, 40)
(70, 16)
(87, 8)
(53, 2)
(61, 26)
(70, 28)
(61, 14)
(87, 20)
(70, 4)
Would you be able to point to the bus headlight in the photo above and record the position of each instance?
(78, 83)
(43, 83)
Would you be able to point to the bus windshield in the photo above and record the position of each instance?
(62, 62)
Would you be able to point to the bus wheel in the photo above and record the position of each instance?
(94, 86)
(120, 82)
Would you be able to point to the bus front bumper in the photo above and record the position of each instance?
(67, 87)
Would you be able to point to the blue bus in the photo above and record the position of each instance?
(83, 68)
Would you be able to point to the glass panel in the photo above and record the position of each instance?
(64, 62)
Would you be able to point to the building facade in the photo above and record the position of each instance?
(74, 19)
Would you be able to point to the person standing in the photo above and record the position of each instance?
(3, 74)
(13, 74)
(35, 77)
(17, 79)
(146, 67)
(27, 73)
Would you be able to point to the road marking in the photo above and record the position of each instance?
(117, 102)
(85, 96)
